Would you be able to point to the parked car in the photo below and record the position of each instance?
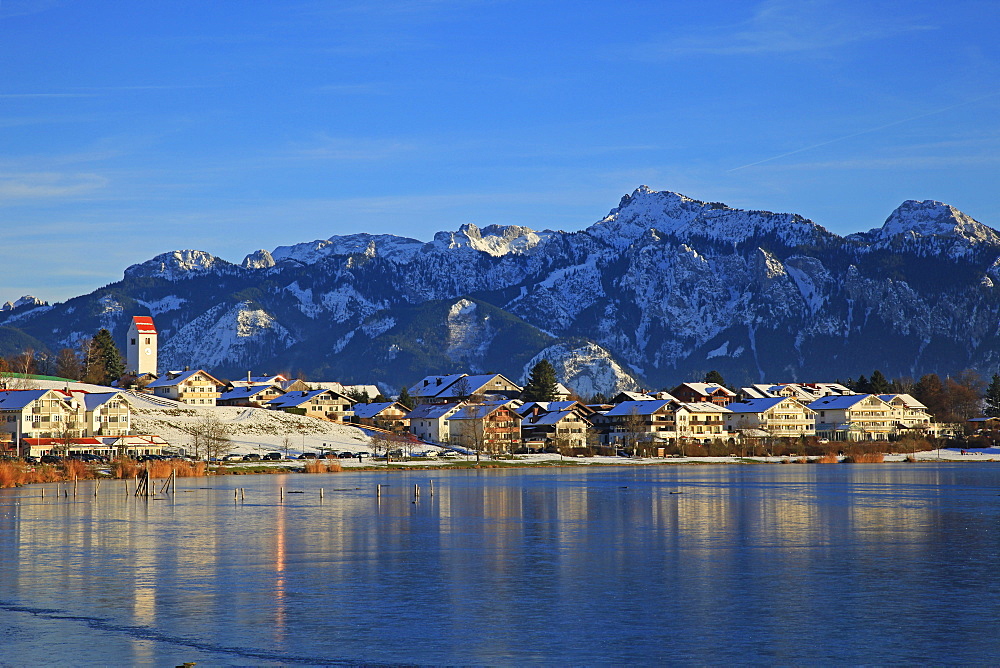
(232, 458)
(28, 459)
(347, 455)
(307, 455)
(273, 457)
(51, 459)
(252, 457)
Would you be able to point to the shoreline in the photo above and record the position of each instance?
(523, 462)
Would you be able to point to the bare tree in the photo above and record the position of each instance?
(209, 435)
(633, 428)
(286, 444)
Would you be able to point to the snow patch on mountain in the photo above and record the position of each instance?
(495, 240)
(162, 305)
(261, 259)
(587, 369)
(225, 336)
(929, 227)
(378, 325)
(470, 334)
(25, 301)
(180, 264)
(345, 303)
(396, 249)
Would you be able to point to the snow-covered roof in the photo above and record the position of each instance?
(429, 386)
(755, 405)
(172, 378)
(708, 389)
(479, 411)
(641, 407)
(93, 400)
(837, 401)
(549, 419)
(703, 407)
(11, 400)
(247, 391)
(906, 399)
(297, 398)
(369, 411)
(432, 411)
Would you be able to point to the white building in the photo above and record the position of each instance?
(140, 347)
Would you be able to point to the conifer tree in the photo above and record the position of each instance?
(541, 383)
(406, 399)
(715, 378)
(992, 398)
(862, 386)
(109, 355)
(878, 384)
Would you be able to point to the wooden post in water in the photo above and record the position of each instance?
(432, 487)
(43, 492)
(98, 487)
(282, 489)
(74, 484)
(416, 491)
(320, 493)
(378, 491)
(243, 493)
(173, 481)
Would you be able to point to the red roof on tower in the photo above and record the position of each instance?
(144, 324)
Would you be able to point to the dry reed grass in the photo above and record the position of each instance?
(827, 459)
(321, 466)
(865, 458)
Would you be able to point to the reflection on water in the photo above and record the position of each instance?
(713, 564)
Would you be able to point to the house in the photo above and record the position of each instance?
(389, 415)
(559, 423)
(661, 420)
(36, 447)
(490, 426)
(196, 388)
(910, 414)
(325, 404)
(854, 417)
(104, 413)
(804, 392)
(40, 414)
(625, 395)
(251, 396)
(463, 387)
(703, 392)
(432, 422)
(780, 417)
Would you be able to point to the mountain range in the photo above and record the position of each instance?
(661, 290)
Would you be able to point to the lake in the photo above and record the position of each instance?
(790, 564)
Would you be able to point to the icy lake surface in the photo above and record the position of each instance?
(786, 564)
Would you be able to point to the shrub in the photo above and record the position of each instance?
(827, 459)
(321, 466)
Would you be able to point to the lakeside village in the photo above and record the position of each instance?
(485, 414)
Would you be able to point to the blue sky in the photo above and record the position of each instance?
(131, 129)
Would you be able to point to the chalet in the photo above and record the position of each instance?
(854, 417)
(432, 422)
(910, 414)
(804, 392)
(661, 420)
(463, 387)
(389, 415)
(490, 426)
(196, 388)
(325, 404)
(703, 393)
(251, 396)
(105, 413)
(40, 414)
(779, 417)
(561, 425)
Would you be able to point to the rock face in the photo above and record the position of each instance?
(661, 290)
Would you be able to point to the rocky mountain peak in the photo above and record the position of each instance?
(179, 264)
(261, 259)
(495, 240)
(26, 301)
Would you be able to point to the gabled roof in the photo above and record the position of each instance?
(12, 400)
(906, 399)
(708, 389)
(839, 401)
(549, 419)
(172, 378)
(144, 324)
(432, 411)
(468, 385)
(641, 407)
(93, 400)
(428, 386)
(703, 407)
(247, 391)
(755, 405)
(479, 411)
(369, 411)
(297, 398)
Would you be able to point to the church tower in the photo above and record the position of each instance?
(140, 351)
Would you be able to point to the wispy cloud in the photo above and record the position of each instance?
(48, 184)
(780, 26)
(867, 131)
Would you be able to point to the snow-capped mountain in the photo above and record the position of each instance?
(662, 289)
